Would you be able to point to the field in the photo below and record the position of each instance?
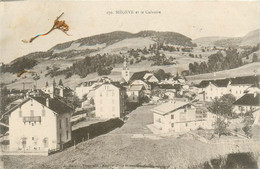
(131, 145)
(246, 70)
(27, 81)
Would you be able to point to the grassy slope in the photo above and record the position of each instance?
(73, 81)
(245, 70)
(118, 148)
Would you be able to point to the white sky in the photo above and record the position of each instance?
(25, 19)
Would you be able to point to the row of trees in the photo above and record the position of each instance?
(99, 63)
(19, 65)
(217, 62)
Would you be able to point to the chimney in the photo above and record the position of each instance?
(47, 102)
(255, 94)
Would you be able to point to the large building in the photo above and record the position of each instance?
(109, 101)
(181, 116)
(236, 86)
(247, 103)
(39, 124)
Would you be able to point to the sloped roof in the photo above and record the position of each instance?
(249, 99)
(254, 80)
(203, 83)
(55, 104)
(136, 87)
(169, 107)
(221, 82)
(138, 75)
(245, 80)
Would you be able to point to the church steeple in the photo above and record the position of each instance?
(125, 71)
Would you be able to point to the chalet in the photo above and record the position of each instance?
(39, 124)
(145, 76)
(181, 116)
(109, 101)
(248, 102)
(135, 93)
(147, 85)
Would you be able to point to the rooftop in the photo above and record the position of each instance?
(169, 107)
(250, 99)
(138, 75)
(55, 104)
(136, 87)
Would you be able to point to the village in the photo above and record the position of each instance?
(43, 121)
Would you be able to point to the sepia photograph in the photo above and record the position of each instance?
(129, 84)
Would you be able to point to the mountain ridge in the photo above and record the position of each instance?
(250, 39)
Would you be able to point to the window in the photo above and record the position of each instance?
(32, 124)
(31, 113)
(67, 122)
(67, 134)
(60, 137)
(172, 124)
(172, 116)
(186, 124)
(32, 138)
(43, 112)
(60, 123)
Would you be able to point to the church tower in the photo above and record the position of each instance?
(125, 71)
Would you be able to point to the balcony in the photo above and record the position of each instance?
(32, 119)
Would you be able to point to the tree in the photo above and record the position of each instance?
(220, 127)
(248, 122)
(91, 101)
(223, 106)
(227, 101)
(160, 74)
(255, 58)
(60, 83)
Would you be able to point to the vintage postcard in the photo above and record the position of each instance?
(129, 85)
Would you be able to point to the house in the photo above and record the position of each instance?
(135, 93)
(213, 88)
(239, 85)
(147, 86)
(109, 101)
(39, 124)
(85, 88)
(145, 76)
(181, 116)
(236, 86)
(248, 102)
